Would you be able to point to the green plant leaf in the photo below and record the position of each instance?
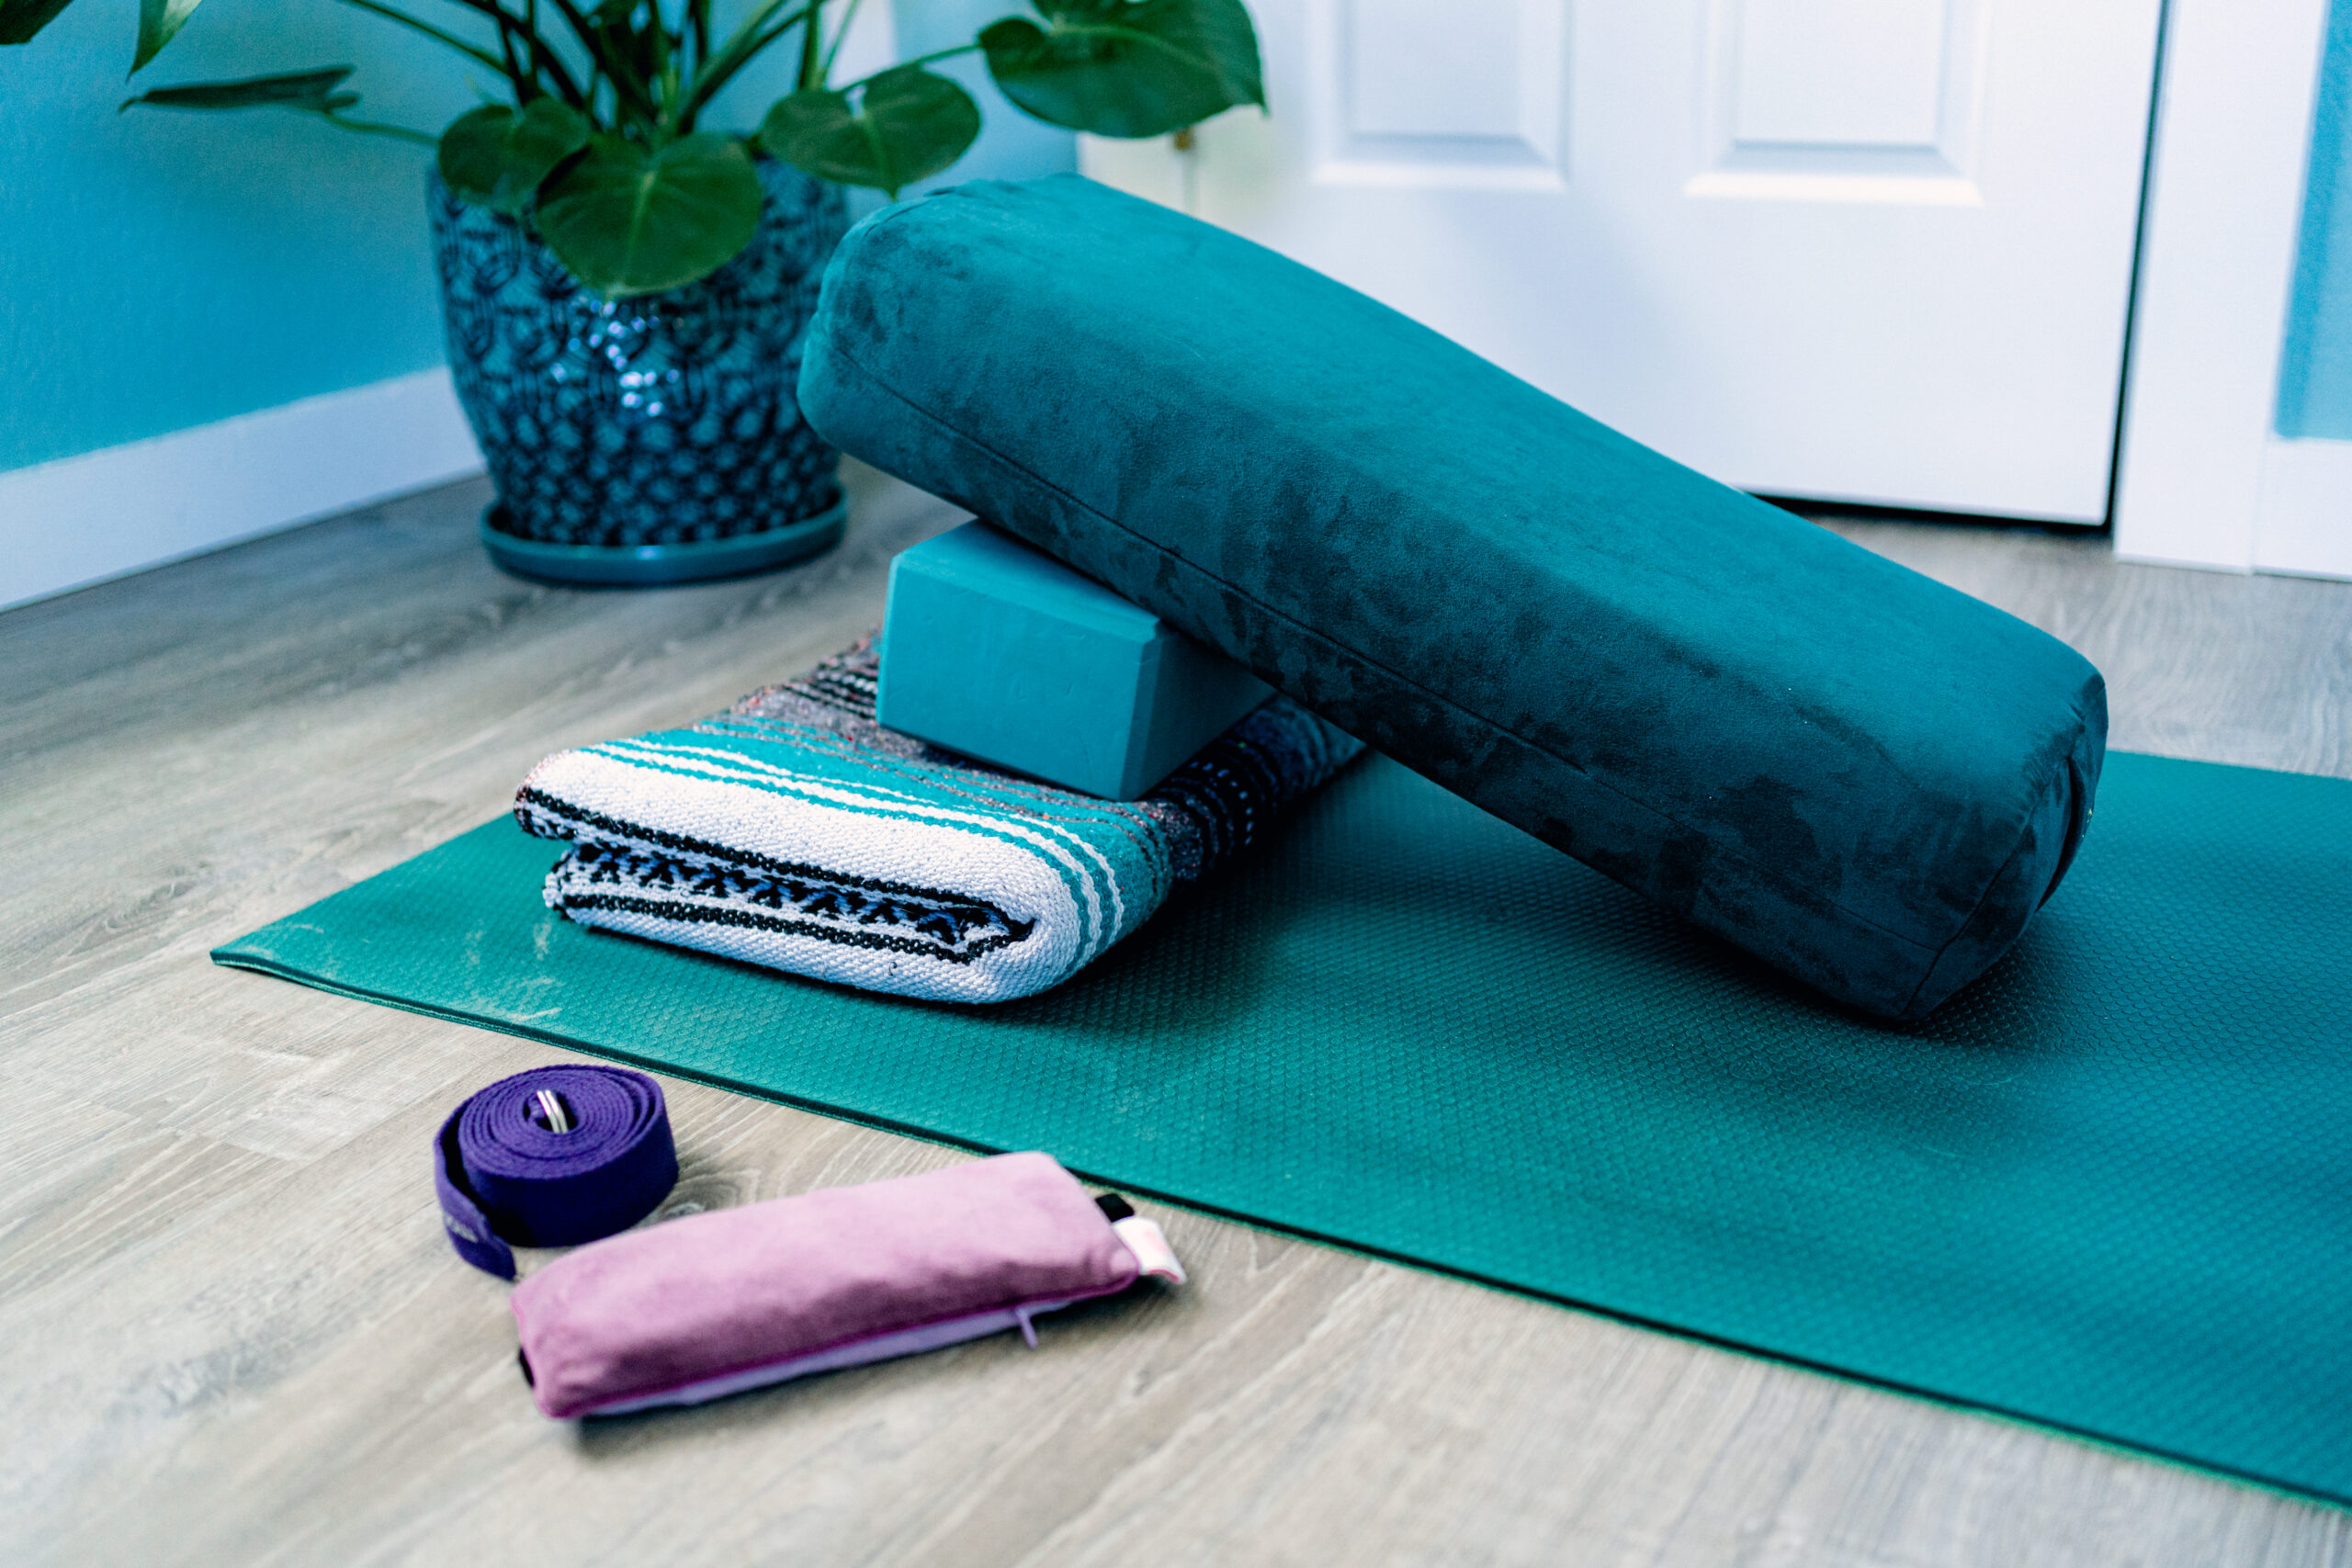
(310, 90)
(20, 19)
(1127, 67)
(159, 22)
(907, 123)
(496, 156)
(629, 220)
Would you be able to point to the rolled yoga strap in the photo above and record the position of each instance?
(550, 1158)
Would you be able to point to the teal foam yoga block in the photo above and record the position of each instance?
(997, 651)
(1865, 778)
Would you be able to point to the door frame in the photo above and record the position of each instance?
(2202, 478)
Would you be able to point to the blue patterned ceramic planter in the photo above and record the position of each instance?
(649, 439)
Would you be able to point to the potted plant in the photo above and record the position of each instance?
(625, 288)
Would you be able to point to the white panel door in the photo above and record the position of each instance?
(1869, 250)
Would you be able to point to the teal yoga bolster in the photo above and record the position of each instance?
(1864, 778)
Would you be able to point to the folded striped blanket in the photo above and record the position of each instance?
(793, 831)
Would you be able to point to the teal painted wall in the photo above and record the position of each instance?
(163, 270)
(2315, 374)
(159, 270)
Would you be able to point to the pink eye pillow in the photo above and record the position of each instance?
(718, 1302)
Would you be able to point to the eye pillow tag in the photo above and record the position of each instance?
(713, 1304)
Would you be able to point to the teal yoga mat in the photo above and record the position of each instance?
(2108, 1188)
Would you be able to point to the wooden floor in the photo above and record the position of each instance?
(230, 1331)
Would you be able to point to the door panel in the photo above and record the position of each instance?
(1870, 250)
(1831, 74)
(1478, 101)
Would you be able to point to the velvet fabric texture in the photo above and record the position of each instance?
(1867, 779)
(738, 1289)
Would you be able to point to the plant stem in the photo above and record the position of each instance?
(583, 30)
(825, 72)
(526, 83)
(429, 30)
(580, 27)
(918, 59)
(752, 23)
(752, 52)
(662, 73)
(531, 26)
(595, 70)
(811, 35)
(631, 97)
(629, 89)
(742, 47)
(543, 58)
(543, 55)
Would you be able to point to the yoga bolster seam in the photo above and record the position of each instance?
(2065, 785)
(1930, 953)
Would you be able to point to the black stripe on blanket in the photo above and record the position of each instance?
(579, 816)
(727, 915)
(834, 906)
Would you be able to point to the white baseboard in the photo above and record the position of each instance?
(2299, 521)
(2305, 524)
(81, 520)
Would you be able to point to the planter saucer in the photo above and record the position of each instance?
(648, 566)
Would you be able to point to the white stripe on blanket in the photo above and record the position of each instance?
(880, 804)
(793, 831)
(853, 847)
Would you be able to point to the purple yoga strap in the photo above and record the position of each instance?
(550, 1158)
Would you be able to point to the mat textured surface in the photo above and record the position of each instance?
(2108, 1188)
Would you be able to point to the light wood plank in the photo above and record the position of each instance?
(229, 1329)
